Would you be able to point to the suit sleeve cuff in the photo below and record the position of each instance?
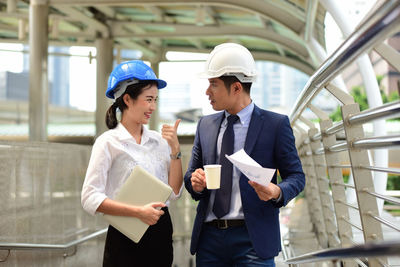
(279, 199)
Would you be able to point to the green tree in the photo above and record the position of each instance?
(359, 95)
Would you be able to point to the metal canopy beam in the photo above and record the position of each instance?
(265, 27)
(284, 14)
(204, 31)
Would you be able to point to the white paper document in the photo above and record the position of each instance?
(251, 168)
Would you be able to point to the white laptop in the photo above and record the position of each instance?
(139, 189)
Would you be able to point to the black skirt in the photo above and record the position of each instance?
(153, 250)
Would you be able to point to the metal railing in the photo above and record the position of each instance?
(338, 222)
(372, 249)
(65, 247)
(40, 206)
(41, 209)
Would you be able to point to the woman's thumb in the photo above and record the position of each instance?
(177, 124)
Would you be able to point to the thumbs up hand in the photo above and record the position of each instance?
(169, 133)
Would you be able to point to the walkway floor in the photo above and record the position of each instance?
(302, 238)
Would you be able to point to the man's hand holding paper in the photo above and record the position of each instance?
(251, 168)
(272, 191)
(259, 177)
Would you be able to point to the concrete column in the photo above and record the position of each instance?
(104, 59)
(38, 70)
(155, 117)
(11, 6)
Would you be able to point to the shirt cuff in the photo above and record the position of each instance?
(277, 200)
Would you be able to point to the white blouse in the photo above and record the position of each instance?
(114, 154)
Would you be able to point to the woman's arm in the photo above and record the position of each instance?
(149, 213)
(175, 177)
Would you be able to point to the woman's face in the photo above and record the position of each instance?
(139, 110)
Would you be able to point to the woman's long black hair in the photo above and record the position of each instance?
(133, 90)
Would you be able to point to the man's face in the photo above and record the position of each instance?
(218, 94)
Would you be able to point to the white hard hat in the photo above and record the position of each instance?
(230, 59)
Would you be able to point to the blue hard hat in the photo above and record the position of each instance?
(131, 70)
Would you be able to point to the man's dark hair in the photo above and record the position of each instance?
(229, 80)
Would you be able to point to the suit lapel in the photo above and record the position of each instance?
(254, 130)
(212, 136)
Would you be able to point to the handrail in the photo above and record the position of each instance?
(347, 204)
(339, 147)
(342, 166)
(390, 199)
(377, 142)
(368, 35)
(367, 143)
(385, 222)
(337, 127)
(32, 246)
(386, 111)
(372, 249)
(352, 224)
(382, 169)
(284, 252)
(344, 185)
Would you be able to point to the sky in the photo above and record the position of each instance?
(82, 79)
(83, 72)
(9, 56)
(356, 10)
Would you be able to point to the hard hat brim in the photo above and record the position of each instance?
(241, 77)
(131, 70)
(160, 84)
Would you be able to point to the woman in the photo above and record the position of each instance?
(134, 87)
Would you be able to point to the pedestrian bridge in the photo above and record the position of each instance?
(346, 216)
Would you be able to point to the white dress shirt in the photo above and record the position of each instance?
(240, 128)
(114, 154)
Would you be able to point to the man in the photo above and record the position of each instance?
(238, 224)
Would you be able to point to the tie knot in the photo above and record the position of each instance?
(232, 119)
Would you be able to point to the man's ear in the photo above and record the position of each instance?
(237, 87)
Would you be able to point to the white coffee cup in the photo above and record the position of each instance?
(213, 175)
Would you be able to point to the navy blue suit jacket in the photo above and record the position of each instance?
(271, 143)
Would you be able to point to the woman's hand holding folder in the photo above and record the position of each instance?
(150, 214)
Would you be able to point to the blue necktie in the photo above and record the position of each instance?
(223, 194)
